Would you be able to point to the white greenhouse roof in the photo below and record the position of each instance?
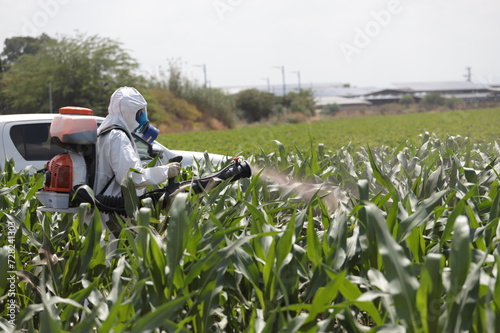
(325, 100)
(440, 86)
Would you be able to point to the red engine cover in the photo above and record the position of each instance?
(59, 177)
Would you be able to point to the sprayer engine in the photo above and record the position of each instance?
(64, 172)
(59, 174)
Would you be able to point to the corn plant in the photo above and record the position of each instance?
(401, 239)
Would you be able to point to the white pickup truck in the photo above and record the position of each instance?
(26, 140)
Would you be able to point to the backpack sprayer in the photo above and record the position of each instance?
(75, 130)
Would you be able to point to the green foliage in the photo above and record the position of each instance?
(302, 102)
(177, 104)
(176, 82)
(369, 239)
(17, 46)
(389, 130)
(295, 118)
(433, 99)
(167, 109)
(454, 103)
(331, 109)
(406, 100)
(43, 74)
(212, 103)
(82, 70)
(254, 104)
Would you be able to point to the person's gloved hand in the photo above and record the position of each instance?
(173, 169)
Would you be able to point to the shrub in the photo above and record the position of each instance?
(302, 101)
(211, 102)
(331, 109)
(172, 111)
(254, 104)
(433, 99)
(406, 100)
(295, 118)
(454, 103)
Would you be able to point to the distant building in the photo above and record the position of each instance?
(345, 95)
(340, 101)
(277, 89)
(341, 94)
(464, 90)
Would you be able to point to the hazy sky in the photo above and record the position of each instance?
(361, 42)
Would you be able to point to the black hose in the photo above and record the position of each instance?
(236, 170)
(116, 204)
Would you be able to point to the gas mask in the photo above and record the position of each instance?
(145, 130)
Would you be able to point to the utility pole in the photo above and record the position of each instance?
(283, 77)
(204, 67)
(50, 97)
(268, 84)
(298, 77)
(468, 75)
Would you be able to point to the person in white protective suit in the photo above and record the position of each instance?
(116, 150)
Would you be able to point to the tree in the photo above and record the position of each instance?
(254, 104)
(81, 70)
(302, 101)
(3, 98)
(14, 48)
(17, 46)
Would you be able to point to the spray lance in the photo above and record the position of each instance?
(116, 204)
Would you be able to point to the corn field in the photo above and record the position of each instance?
(372, 239)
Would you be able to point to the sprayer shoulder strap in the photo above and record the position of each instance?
(113, 127)
(107, 130)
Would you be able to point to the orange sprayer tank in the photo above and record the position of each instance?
(73, 125)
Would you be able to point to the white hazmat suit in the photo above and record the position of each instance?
(117, 154)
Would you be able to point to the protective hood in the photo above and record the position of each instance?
(123, 107)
